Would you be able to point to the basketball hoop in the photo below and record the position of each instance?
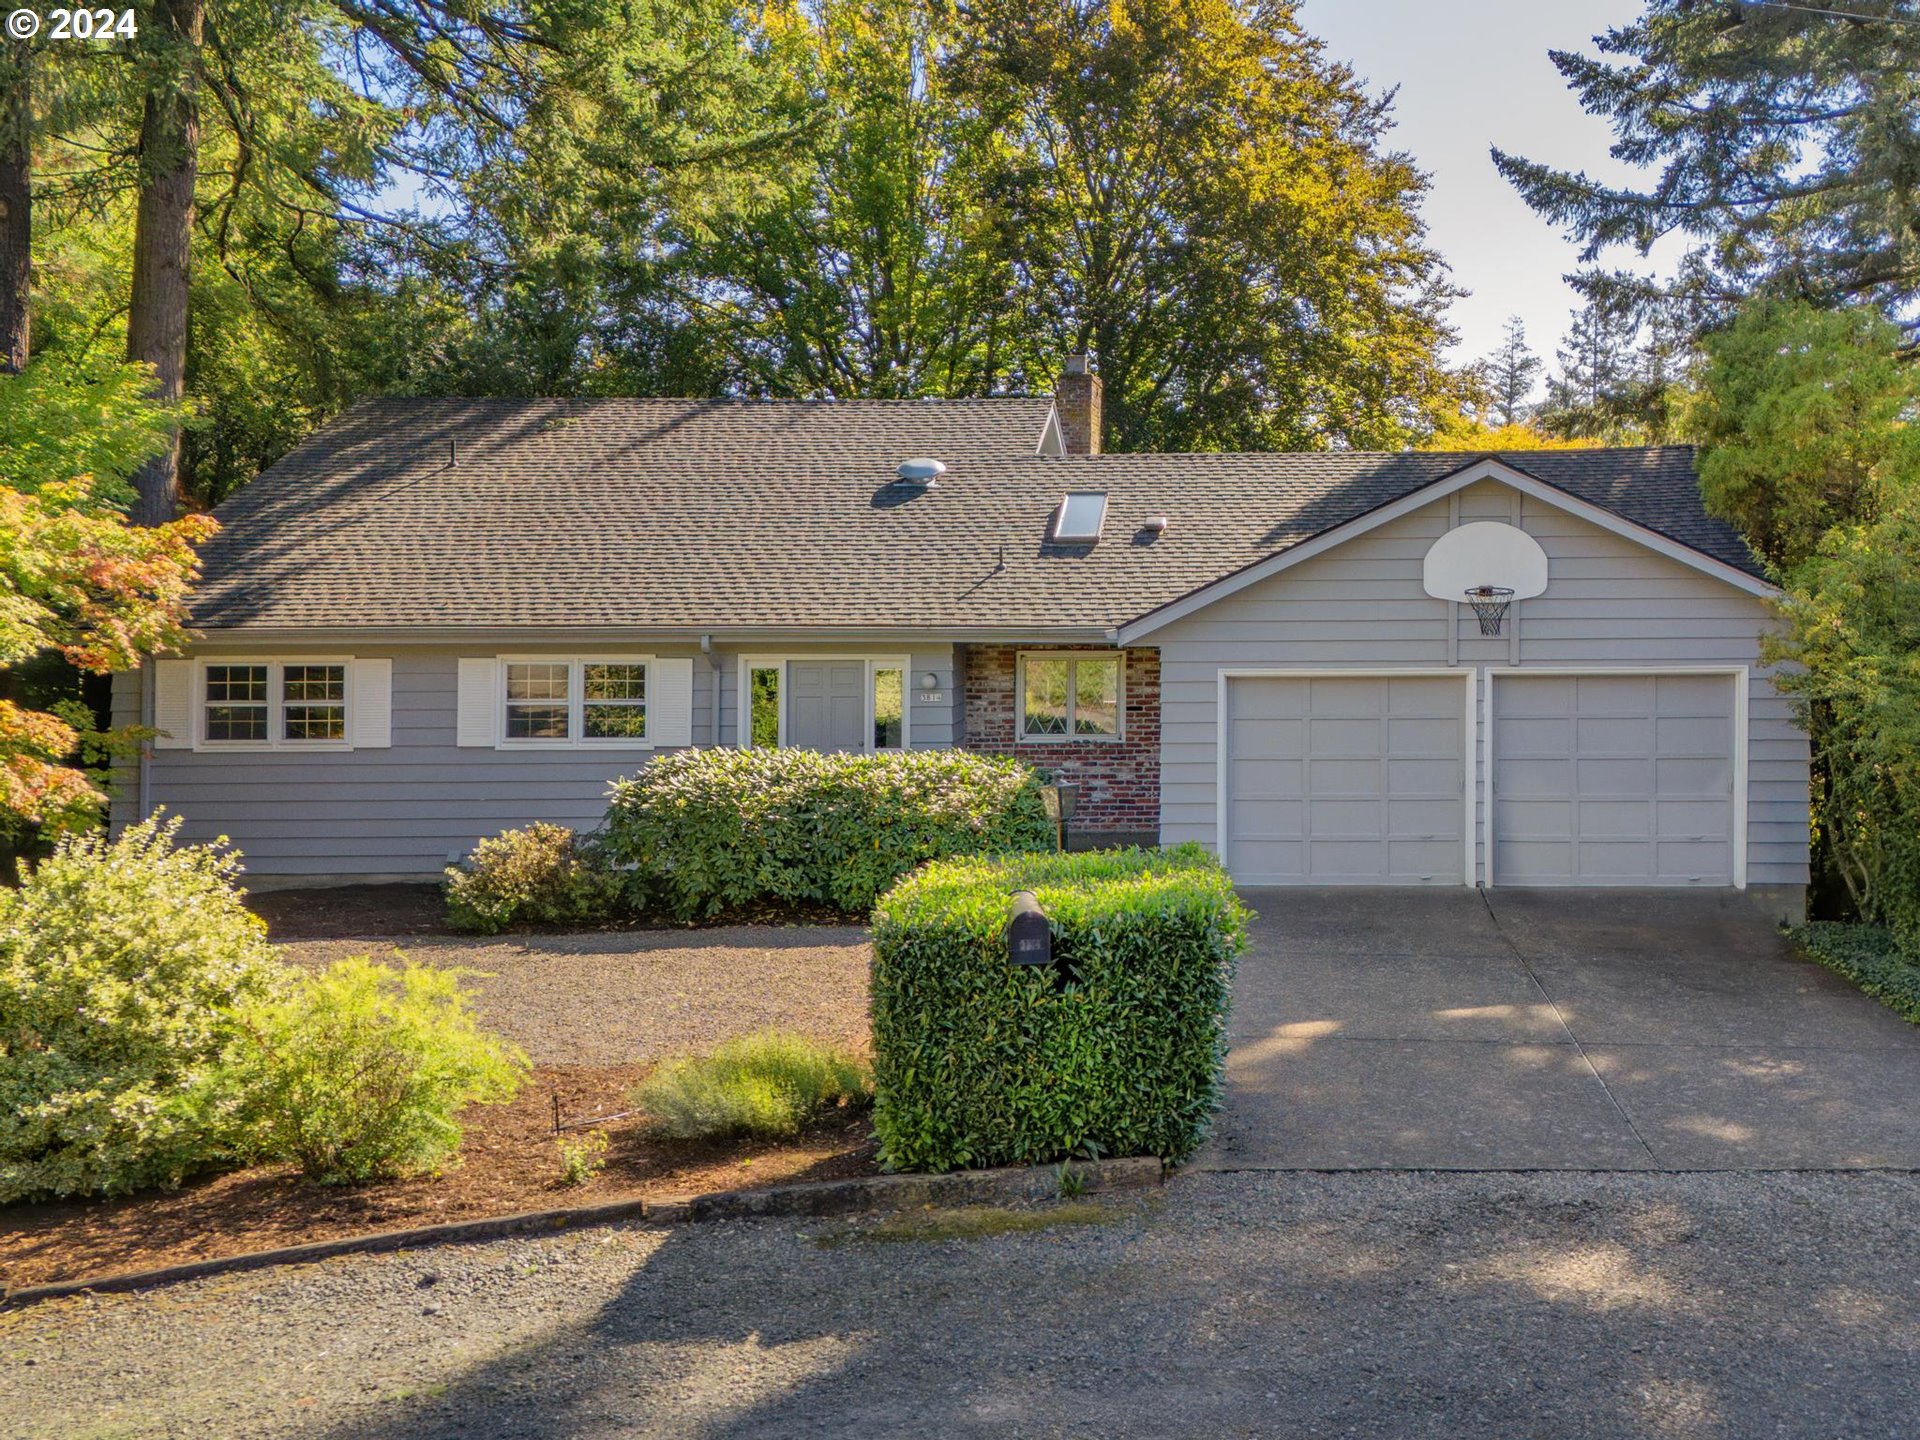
(1489, 604)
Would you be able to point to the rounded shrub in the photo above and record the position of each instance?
(1116, 1050)
(537, 876)
(122, 963)
(360, 1072)
(702, 832)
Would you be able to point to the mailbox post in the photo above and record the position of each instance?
(1060, 801)
(1029, 938)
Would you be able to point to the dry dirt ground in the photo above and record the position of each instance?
(593, 1011)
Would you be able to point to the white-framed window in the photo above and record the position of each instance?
(1070, 694)
(549, 700)
(765, 690)
(250, 704)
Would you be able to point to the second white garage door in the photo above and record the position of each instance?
(1613, 779)
(1346, 780)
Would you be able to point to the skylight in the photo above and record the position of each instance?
(1080, 517)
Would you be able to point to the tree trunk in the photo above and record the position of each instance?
(16, 205)
(162, 239)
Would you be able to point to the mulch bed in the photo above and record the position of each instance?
(509, 1164)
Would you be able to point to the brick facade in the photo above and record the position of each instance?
(1119, 780)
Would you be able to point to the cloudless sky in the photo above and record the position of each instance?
(1473, 74)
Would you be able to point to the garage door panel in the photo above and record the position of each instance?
(1344, 736)
(1373, 793)
(1613, 777)
(1622, 695)
(1527, 779)
(1694, 775)
(1616, 819)
(1639, 791)
(1691, 862)
(1437, 736)
(1692, 819)
(1425, 820)
(1269, 779)
(1421, 778)
(1614, 735)
(1692, 735)
(1344, 779)
(1265, 700)
(1542, 736)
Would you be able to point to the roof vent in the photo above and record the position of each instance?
(1080, 517)
(1157, 525)
(922, 470)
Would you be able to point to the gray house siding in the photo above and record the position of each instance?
(1610, 603)
(407, 810)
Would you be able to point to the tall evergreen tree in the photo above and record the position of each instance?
(1590, 395)
(1509, 374)
(1785, 138)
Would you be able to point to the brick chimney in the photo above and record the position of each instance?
(1077, 397)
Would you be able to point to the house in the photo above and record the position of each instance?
(440, 618)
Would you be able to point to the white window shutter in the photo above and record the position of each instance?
(479, 702)
(173, 704)
(670, 702)
(370, 689)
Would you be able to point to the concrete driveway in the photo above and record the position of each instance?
(1552, 1030)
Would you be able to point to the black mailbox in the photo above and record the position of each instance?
(1029, 941)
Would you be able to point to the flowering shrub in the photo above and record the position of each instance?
(538, 875)
(121, 964)
(360, 1072)
(701, 832)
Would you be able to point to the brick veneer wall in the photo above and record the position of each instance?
(1119, 781)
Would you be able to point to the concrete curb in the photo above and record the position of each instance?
(877, 1193)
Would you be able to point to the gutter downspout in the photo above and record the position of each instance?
(145, 784)
(713, 664)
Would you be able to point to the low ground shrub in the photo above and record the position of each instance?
(771, 1083)
(702, 832)
(1871, 957)
(1117, 1052)
(360, 1071)
(541, 875)
(121, 964)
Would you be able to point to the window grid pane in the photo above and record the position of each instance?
(537, 682)
(536, 722)
(615, 721)
(1096, 697)
(313, 682)
(888, 711)
(616, 682)
(236, 722)
(236, 682)
(316, 722)
(1046, 697)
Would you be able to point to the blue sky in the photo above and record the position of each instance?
(1471, 74)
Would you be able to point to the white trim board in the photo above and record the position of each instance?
(1742, 677)
(1452, 484)
(1467, 674)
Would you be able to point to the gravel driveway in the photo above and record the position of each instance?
(604, 998)
(1409, 1304)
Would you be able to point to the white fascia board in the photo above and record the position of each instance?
(1406, 505)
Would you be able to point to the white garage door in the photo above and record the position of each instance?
(1613, 780)
(1345, 781)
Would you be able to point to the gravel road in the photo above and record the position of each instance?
(606, 998)
(1446, 1305)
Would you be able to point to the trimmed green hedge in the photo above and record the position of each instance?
(1870, 957)
(702, 832)
(980, 1063)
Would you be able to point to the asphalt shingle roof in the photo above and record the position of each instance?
(719, 514)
